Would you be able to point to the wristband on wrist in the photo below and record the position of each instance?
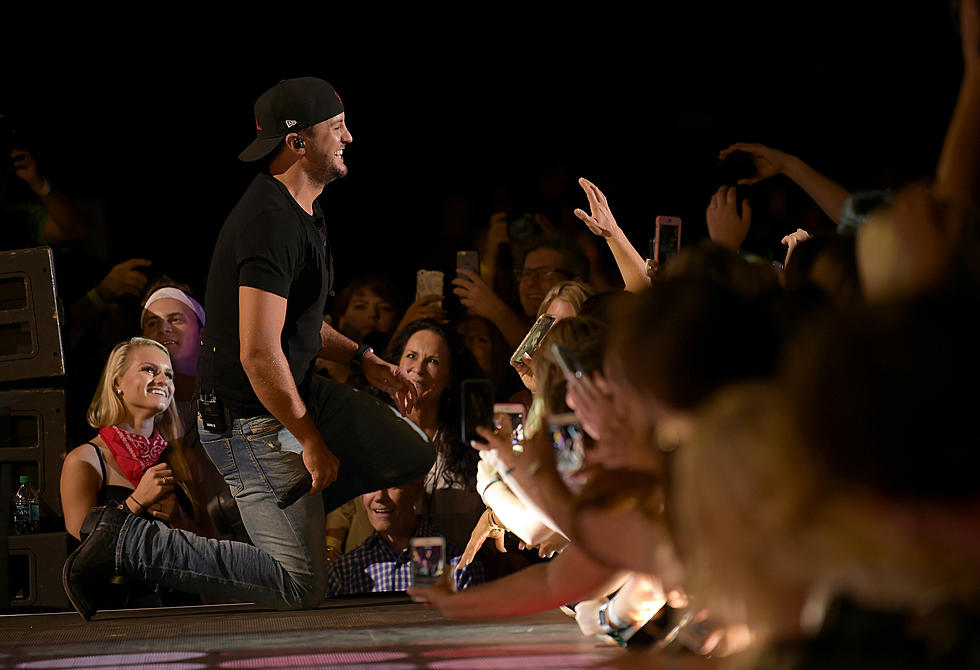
(610, 629)
(361, 352)
(489, 484)
(138, 504)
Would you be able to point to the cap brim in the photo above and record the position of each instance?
(259, 149)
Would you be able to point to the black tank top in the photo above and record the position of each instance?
(110, 493)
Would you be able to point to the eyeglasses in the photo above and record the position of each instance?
(545, 273)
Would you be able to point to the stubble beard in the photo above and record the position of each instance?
(323, 169)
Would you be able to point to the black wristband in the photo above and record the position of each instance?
(361, 352)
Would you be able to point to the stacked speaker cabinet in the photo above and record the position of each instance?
(32, 426)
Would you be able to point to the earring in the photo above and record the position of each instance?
(118, 391)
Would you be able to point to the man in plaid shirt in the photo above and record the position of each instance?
(383, 562)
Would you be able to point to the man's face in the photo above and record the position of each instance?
(391, 511)
(541, 271)
(325, 149)
(174, 325)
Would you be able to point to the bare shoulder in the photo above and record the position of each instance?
(84, 454)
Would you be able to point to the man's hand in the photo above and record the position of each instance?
(391, 380)
(475, 295)
(321, 463)
(768, 162)
(600, 220)
(125, 279)
(725, 225)
(26, 168)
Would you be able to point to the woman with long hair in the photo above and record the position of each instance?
(136, 419)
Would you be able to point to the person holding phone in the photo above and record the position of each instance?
(265, 419)
(382, 562)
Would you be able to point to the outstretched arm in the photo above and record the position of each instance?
(828, 194)
(569, 577)
(601, 222)
(64, 222)
(958, 172)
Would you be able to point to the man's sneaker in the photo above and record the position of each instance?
(90, 568)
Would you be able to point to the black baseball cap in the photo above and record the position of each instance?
(290, 105)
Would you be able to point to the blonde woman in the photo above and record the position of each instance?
(136, 419)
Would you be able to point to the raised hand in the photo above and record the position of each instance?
(426, 307)
(26, 168)
(474, 294)
(600, 220)
(768, 162)
(479, 535)
(124, 278)
(726, 226)
(792, 240)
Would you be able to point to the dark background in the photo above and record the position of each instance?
(490, 113)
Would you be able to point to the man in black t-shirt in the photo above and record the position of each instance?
(267, 421)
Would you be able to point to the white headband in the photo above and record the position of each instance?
(176, 294)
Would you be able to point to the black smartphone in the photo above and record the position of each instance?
(477, 407)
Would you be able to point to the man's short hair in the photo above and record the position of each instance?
(573, 260)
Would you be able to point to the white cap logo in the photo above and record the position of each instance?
(290, 123)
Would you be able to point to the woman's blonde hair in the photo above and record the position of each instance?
(107, 408)
(573, 292)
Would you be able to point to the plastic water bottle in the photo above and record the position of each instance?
(27, 508)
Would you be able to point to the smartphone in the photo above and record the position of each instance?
(666, 239)
(428, 282)
(428, 559)
(567, 361)
(477, 407)
(533, 339)
(508, 417)
(567, 439)
(468, 260)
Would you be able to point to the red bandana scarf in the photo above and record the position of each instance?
(133, 453)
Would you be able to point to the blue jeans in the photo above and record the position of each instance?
(261, 460)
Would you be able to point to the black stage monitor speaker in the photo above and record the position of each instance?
(34, 570)
(30, 330)
(33, 441)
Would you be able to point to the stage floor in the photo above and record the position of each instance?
(384, 633)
